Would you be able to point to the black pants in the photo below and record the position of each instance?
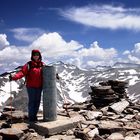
(34, 97)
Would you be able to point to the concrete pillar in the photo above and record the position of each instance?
(49, 93)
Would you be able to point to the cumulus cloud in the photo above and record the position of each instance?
(133, 55)
(134, 59)
(53, 45)
(97, 52)
(136, 49)
(126, 52)
(13, 53)
(27, 34)
(54, 48)
(92, 63)
(96, 55)
(3, 41)
(105, 16)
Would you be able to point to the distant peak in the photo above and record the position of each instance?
(60, 62)
(125, 65)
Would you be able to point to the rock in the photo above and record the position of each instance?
(9, 108)
(110, 92)
(31, 136)
(136, 107)
(93, 122)
(129, 117)
(93, 119)
(90, 115)
(116, 136)
(98, 137)
(81, 135)
(20, 126)
(110, 127)
(109, 124)
(93, 132)
(6, 125)
(61, 137)
(102, 90)
(10, 133)
(137, 137)
(15, 116)
(55, 127)
(119, 106)
(86, 130)
(138, 116)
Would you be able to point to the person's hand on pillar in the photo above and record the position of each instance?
(10, 77)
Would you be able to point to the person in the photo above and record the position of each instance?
(32, 71)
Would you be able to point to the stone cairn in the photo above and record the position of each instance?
(108, 92)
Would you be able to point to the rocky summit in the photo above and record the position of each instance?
(97, 104)
(108, 115)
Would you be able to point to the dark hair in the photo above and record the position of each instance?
(36, 51)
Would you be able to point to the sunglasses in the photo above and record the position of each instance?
(36, 54)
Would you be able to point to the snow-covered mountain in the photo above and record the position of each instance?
(125, 65)
(74, 83)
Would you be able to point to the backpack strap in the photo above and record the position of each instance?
(30, 66)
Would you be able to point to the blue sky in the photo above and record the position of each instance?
(86, 33)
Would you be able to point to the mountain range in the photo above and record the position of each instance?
(74, 84)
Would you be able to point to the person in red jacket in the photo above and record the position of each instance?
(32, 71)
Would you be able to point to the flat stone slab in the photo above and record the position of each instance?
(11, 134)
(119, 106)
(20, 126)
(57, 126)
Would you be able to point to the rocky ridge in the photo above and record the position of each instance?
(108, 115)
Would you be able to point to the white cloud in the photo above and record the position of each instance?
(53, 45)
(133, 55)
(3, 41)
(54, 48)
(136, 48)
(77, 61)
(27, 34)
(105, 16)
(97, 52)
(93, 56)
(95, 63)
(126, 52)
(134, 59)
(12, 57)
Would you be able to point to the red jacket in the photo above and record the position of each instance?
(32, 73)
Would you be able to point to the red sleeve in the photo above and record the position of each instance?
(21, 73)
(43, 64)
